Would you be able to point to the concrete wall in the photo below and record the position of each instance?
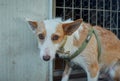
(19, 58)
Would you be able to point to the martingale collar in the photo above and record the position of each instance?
(68, 57)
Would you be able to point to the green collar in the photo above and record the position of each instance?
(69, 57)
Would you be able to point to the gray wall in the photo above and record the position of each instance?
(19, 58)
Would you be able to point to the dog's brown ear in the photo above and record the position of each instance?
(33, 24)
(69, 28)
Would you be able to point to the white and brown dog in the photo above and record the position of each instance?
(51, 35)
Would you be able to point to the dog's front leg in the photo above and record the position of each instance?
(92, 72)
(66, 73)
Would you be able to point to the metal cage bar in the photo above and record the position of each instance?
(105, 13)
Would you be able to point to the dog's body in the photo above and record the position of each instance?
(51, 36)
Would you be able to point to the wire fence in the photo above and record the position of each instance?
(105, 13)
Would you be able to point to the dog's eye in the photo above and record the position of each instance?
(41, 36)
(55, 37)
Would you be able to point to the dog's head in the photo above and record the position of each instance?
(51, 34)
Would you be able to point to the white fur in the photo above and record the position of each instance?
(81, 61)
(81, 27)
(48, 47)
(89, 78)
(67, 21)
(66, 76)
(77, 33)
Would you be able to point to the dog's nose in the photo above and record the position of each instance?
(46, 57)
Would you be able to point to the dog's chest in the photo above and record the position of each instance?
(70, 47)
(79, 60)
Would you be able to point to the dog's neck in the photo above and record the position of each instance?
(75, 40)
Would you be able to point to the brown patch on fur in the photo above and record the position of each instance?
(83, 34)
(69, 28)
(33, 24)
(60, 33)
(41, 30)
(117, 71)
(93, 69)
(110, 46)
(117, 75)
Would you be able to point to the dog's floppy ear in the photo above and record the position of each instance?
(69, 28)
(33, 24)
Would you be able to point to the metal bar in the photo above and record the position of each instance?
(110, 13)
(64, 10)
(50, 9)
(104, 13)
(89, 11)
(96, 11)
(81, 9)
(117, 15)
(50, 69)
(72, 9)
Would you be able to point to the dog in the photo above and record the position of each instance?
(51, 35)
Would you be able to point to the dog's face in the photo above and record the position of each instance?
(51, 34)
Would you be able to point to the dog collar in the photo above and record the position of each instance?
(69, 57)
